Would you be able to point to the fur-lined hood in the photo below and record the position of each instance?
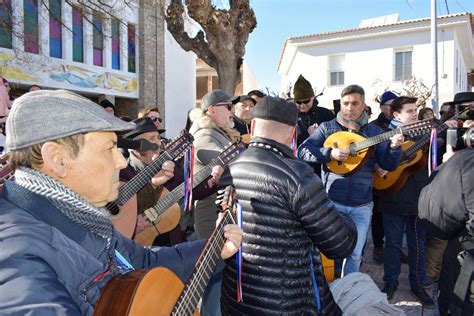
(200, 120)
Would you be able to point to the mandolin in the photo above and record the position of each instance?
(159, 291)
(413, 158)
(360, 147)
(165, 214)
(124, 210)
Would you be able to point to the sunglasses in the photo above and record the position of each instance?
(154, 119)
(303, 101)
(229, 105)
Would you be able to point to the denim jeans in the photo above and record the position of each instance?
(394, 226)
(361, 217)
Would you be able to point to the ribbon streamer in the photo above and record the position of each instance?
(433, 152)
(238, 258)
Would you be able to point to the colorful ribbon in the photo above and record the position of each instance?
(238, 258)
(433, 152)
(188, 178)
(293, 141)
(315, 284)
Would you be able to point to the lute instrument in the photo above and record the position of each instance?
(159, 291)
(360, 147)
(165, 214)
(123, 210)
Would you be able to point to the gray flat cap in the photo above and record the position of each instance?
(213, 97)
(276, 109)
(40, 116)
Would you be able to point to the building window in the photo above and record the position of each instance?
(131, 49)
(403, 65)
(98, 40)
(55, 32)
(6, 24)
(77, 35)
(115, 44)
(30, 16)
(336, 70)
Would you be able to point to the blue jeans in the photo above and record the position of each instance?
(360, 215)
(211, 299)
(394, 226)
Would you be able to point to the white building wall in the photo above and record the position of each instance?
(249, 81)
(370, 63)
(180, 85)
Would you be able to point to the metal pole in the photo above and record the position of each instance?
(434, 46)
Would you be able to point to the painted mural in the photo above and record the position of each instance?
(57, 73)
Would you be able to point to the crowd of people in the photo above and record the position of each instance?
(61, 242)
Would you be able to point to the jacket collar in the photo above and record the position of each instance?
(285, 150)
(44, 211)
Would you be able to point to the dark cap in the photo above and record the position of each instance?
(462, 97)
(387, 96)
(214, 97)
(142, 125)
(106, 104)
(243, 98)
(276, 109)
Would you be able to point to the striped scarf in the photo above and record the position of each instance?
(73, 206)
(353, 125)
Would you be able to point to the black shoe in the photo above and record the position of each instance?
(423, 297)
(389, 289)
(403, 257)
(378, 255)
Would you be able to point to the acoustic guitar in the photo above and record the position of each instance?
(413, 158)
(124, 209)
(165, 214)
(360, 147)
(159, 291)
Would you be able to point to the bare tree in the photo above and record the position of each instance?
(221, 42)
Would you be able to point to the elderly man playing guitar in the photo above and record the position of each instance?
(351, 192)
(58, 248)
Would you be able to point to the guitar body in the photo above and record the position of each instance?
(343, 140)
(394, 180)
(166, 222)
(126, 219)
(142, 292)
(328, 268)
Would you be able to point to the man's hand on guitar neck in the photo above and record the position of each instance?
(233, 235)
(340, 154)
(216, 174)
(396, 141)
(166, 173)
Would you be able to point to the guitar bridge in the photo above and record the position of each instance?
(151, 215)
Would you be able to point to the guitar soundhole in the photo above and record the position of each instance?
(113, 208)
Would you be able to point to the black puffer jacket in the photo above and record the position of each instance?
(286, 217)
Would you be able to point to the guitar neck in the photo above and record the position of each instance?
(423, 141)
(369, 142)
(141, 179)
(177, 193)
(205, 265)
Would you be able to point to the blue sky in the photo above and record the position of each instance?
(279, 19)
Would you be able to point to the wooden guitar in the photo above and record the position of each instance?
(413, 158)
(124, 209)
(160, 216)
(360, 147)
(159, 291)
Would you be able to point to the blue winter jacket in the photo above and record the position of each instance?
(52, 266)
(356, 188)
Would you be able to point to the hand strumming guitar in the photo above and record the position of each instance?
(166, 173)
(396, 141)
(340, 154)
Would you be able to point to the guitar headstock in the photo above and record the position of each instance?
(179, 145)
(230, 152)
(417, 128)
(226, 199)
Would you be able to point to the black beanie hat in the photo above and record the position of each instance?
(302, 89)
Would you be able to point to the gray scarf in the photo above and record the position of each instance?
(76, 208)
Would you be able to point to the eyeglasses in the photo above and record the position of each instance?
(229, 105)
(303, 102)
(155, 118)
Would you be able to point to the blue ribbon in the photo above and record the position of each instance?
(123, 263)
(315, 284)
(238, 258)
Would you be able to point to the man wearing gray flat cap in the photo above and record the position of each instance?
(58, 248)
